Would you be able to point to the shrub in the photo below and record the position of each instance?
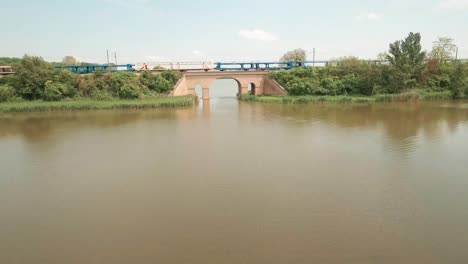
(87, 86)
(130, 91)
(119, 79)
(156, 82)
(55, 91)
(171, 76)
(161, 85)
(101, 96)
(7, 93)
(33, 72)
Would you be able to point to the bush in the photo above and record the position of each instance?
(33, 72)
(101, 96)
(55, 91)
(161, 85)
(119, 79)
(130, 91)
(156, 82)
(171, 76)
(87, 86)
(7, 93)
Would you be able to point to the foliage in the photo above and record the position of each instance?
(119, 79)
(159, 82)
(101, 95)
(55, 91)
(294, 55)
(171, 76)
(7, 93)
(130, 91)
(33, 73)
(459, 81)
(13, 62)
(407, 57)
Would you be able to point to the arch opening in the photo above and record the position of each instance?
(225, 88)
(251, 89)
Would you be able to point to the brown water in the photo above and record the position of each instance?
(236, 183)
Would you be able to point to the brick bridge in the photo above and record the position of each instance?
(258, 81)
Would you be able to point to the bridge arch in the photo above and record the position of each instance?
(235, 81)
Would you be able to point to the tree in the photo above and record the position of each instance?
(458, 81)
(407, 56)
(294, 55)
(6, 93)
(32, 73)
(444, 49)
(70, 60)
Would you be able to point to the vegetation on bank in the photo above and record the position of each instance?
(36, 79)
(404, 69)
(91, 104)
(305, 99)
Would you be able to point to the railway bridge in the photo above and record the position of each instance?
(259, 82)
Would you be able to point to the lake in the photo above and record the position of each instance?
(236, 182)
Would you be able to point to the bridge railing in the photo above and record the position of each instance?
(175, 66)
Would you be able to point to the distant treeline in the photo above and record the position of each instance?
(408, 68)
(37, 79)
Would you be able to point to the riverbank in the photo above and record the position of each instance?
(90, 104)
(403, 97)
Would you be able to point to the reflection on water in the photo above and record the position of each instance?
(234, 182)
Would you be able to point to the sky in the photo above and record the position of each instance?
(208, 30)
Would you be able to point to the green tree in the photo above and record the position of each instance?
(55, 91)
(130, 91)
(407, 56)
(458, 81)
(6, 93)
(32, 73)
(294, 55)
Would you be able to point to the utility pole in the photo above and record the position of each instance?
(107, 60)
(456, 53)
(115, 57)
(313, 58)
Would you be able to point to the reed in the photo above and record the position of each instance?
(89, 104)
(311, 99)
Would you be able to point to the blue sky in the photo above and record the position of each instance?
(242, 30)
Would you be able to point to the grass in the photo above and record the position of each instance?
(308, 99)
(89, 104)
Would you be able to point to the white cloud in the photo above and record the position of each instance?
(454, 4)
(369, 17)
(197, 53)
(257, 35)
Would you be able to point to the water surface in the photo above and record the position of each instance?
(235, 182)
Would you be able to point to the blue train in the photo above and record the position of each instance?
(219, 66)
(85, 69)
(258, 66)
